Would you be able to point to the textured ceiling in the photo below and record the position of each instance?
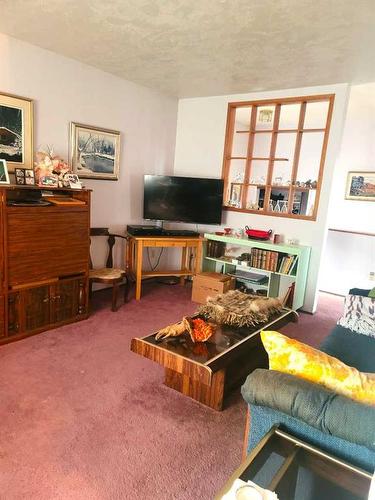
(208, 47)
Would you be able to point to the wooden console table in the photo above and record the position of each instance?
(188, 245)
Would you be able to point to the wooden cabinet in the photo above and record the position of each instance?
(45, 256)
(2, 316)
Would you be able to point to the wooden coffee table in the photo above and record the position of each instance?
(209, 371)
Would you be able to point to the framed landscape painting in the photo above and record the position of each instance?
(95, 152)
(360, 186)
(16, 131)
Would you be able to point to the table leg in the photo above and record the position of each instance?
(210, 395)
(183, 264)
(198, 257)
(138, 276)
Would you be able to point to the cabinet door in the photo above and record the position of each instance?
(2, 316)
(36, 307)
(68, 299)
(14, 314)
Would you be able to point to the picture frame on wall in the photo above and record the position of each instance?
(16, 131)
(4, 176)
(94, 152)
(360, 186)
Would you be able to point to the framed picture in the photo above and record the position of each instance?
(72, 181)
(235, 195)
(48, 180)
(360, 186)
(95, 152)
(16, 131)
(4, 176)
(24, 176)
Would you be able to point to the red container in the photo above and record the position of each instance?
(256, 234)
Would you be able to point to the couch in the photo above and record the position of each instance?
(332, 422)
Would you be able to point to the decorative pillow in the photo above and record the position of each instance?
(290, 356)
(359, 315)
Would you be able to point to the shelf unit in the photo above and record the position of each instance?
(255, 152)
(275, 278)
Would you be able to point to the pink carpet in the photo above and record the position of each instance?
(84, 418)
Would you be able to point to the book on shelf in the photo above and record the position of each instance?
(272, 261)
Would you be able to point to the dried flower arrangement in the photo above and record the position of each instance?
(50, 169)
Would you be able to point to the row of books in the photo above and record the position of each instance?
(272, 261)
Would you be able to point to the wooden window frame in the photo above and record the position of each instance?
(300, 131)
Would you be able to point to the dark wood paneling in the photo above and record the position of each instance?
(2, 316)
(36, 307)
(14, 316)
(67, 299)
(210, 395)
(45, 242)
(178, 364)
(2, 251)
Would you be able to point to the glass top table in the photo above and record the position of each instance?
(295, 470)
(209, 371)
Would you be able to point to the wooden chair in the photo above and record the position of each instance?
(109, 275)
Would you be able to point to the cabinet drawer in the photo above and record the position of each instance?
(45, 242)
(164, 244)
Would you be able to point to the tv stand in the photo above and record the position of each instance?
(191, 246)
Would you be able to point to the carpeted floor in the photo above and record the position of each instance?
(84, 418)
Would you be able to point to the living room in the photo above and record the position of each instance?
(82, 415)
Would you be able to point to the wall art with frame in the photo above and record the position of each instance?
(16, 131)
(360, 186)
(4, 176)
(95, 152)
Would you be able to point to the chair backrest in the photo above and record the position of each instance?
(111, 240)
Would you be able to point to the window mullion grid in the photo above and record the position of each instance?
(228, 150)
(249, 155)
(275, 129)
(297, 152)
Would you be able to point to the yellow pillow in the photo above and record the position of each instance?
(290, 356)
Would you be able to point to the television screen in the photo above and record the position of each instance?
(183, 199)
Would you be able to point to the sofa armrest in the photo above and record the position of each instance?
(313, 404)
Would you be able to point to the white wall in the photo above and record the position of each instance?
(357, 153)
(348, 258)
(347, 262)
(199, 151)
(65, 90)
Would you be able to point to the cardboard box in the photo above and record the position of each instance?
(210, 284)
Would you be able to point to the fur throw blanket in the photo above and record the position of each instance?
(359, 315)
(240, 309)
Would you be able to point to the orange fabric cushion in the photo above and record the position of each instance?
(290, 356)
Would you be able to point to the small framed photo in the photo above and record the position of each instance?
(72, 181)
(235, 195)
(360, 186)
(48, 180)
(4, 176)
(24, 176)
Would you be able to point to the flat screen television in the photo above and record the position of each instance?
(183, 199)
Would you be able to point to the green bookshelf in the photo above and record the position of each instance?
(278, 282)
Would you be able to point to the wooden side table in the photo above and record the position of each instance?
(294, 469)
(188, 245)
